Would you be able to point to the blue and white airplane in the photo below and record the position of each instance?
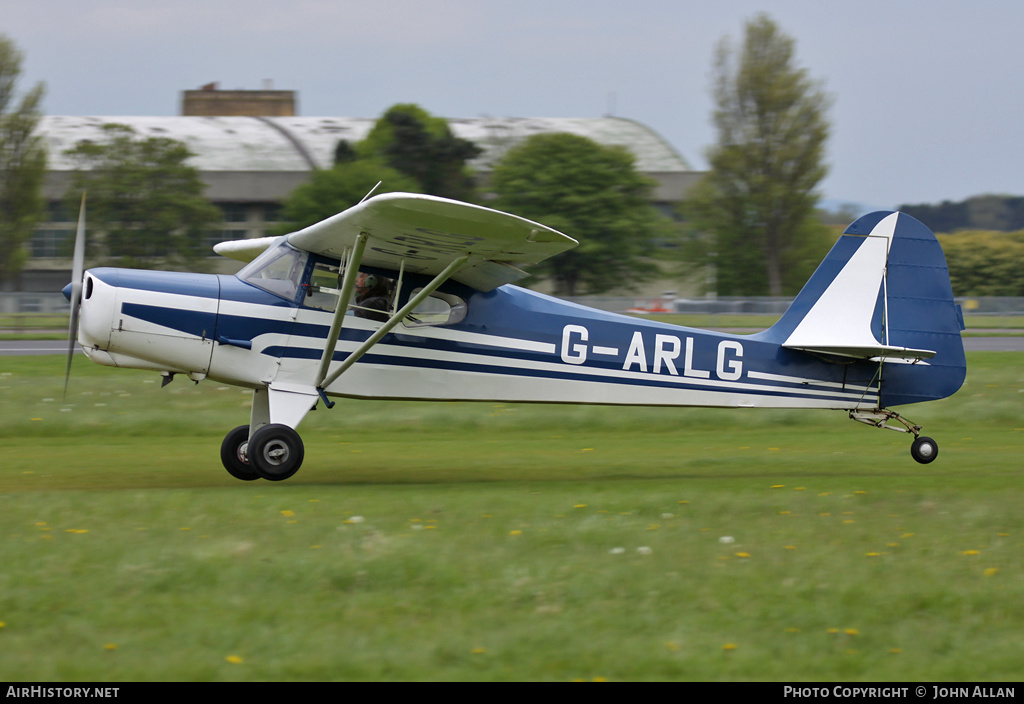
(409, 297)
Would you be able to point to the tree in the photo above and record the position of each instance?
(985, 263)
(984, 212)
(149, 200)
(590, 192)
(330, 191)
(408, 139)
(756, 205)
(22, 163)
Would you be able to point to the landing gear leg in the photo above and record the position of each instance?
(923, 449)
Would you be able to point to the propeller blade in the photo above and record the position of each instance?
(77, 265)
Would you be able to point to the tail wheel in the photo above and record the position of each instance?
(275, 451)
(233, 454)
(924, 449)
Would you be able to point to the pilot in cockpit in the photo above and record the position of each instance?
(373, 297)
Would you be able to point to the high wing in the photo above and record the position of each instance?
(427, 233)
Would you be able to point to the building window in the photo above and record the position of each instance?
(234, 212)
(272, 212)
(51, 244)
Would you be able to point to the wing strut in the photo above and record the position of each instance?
(384, 329)
(348, 283)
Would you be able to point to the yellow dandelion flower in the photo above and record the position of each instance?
(895, 650)
(790, 547)
(235, 659)
(599, 679)
(971, 552)
(580, 506)
(729, 647)
(873, 554)
(743, 554)
(673, 646)
(852, 632)
(478, 651)
(515, 532)
(110, 646)
(833, 630)
(287, 513)
(777, 486)
(990, 571)
(792, 630)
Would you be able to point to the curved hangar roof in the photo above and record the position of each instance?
(303, 143)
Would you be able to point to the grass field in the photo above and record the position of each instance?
(506, 542)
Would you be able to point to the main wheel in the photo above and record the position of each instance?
(233, 454)
(924, 449)
(275, 452)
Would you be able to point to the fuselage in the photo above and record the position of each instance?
(509, 344)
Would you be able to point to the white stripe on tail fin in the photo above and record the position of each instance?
(839, 322)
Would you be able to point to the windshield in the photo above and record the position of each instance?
(278, 270)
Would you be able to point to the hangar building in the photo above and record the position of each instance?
(251, 162)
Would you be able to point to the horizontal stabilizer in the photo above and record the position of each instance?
(868, 351)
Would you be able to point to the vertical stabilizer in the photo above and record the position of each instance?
(883, 293)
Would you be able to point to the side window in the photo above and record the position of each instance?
(324, 286)
(437, 309)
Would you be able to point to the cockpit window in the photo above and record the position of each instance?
(278, 270)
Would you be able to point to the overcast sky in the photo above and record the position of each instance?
(929, 95)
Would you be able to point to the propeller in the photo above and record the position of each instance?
(76, 291)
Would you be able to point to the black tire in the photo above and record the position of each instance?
(275, 452)
(233, 455)
(924, 449)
